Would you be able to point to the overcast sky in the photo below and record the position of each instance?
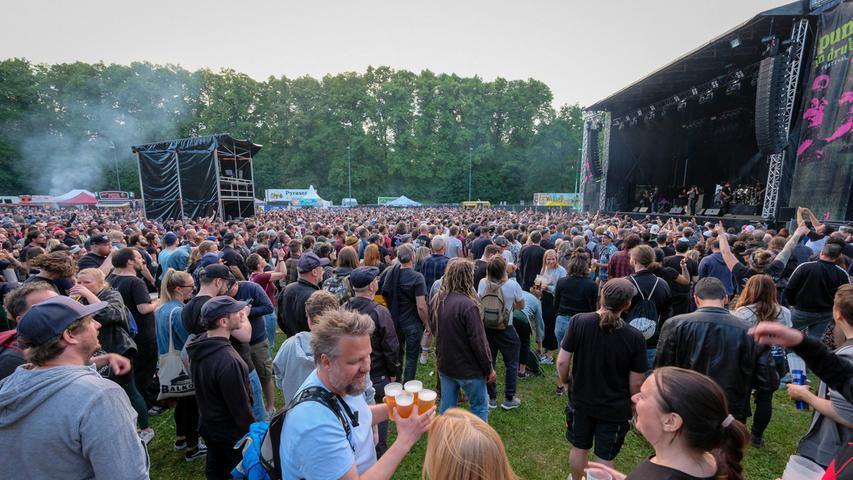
(583, 50)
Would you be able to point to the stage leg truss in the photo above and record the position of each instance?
(792, 78)
(597, 120)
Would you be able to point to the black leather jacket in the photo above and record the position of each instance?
(714, 342)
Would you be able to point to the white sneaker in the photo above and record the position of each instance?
(146, 436)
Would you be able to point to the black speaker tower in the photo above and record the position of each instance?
(770, 105)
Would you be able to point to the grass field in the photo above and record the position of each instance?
(534, 436)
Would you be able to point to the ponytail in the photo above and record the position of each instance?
(172, 279)
(610, 320)
(730, 453)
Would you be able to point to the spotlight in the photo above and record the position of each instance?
(735, 42)
(733, 88)
(715, 85)
(706, 97)
(739, 74)
(682, 106)
(694, 91)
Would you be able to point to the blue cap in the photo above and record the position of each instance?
(170, 238)
(218, 307)
(362, 276)
(48, 319)
(309, 261)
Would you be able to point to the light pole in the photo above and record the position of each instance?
(470, 155)
(115, 164)
(349, 171)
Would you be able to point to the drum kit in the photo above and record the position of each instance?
(748, 195)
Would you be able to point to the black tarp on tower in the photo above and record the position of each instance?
(192, 177)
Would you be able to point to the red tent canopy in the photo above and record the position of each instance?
(76, 197)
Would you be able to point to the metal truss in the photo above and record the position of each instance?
(792, 78)
(604, 157)
(587, 120)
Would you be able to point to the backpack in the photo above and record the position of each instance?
(261, 446)
(495, 315)
(644, 314)
(340, 286)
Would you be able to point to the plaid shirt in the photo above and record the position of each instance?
(620, 265)
(433, 269)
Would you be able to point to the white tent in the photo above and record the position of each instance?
(403, 201)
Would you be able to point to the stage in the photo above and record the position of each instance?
(736, 221)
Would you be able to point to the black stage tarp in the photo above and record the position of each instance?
(178, 177)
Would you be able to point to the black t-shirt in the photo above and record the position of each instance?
(674, 262)
(478, 246)
(652, 471)
(660, 295)
(90, 260)
(409, 286)
(742, 273)
(479, 270)
(603, 361)
(134, 292)
(191, 314)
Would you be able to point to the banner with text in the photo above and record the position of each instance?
(825, 153)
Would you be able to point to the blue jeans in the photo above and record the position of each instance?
(410, 342)
(475, 390)
(258, 410)
(650, 360)
(269, 321)
(813, 324)
(560, 328)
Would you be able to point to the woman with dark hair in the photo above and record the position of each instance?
(684, 415)
(757, 303)
(575, 293)
(607, 358)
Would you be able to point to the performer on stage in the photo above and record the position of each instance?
(692, 198)
(726, 196)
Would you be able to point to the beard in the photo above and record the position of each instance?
(353, 389)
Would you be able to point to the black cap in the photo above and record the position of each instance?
(99, 239)
(218, 307)
(217, 271)
(362, 276)
(48, 319)
(228, 238)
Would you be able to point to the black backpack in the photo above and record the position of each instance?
(644, 314)
(270, 456)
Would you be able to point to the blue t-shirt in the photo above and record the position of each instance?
(314, 445)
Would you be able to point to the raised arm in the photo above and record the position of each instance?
(725, 250)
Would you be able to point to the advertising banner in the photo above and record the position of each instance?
(825, 153)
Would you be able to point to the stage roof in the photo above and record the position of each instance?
(701, 65)
(208, 142)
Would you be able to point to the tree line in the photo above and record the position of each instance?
(404, 133)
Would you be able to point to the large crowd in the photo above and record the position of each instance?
(678, 329)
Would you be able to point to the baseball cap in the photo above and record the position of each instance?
(217, 271)
(209, 258)
(99, 239)
(617, 292)
(48, 319)
(218, 307)
(362, 276)
(170, 238)
(309, 261)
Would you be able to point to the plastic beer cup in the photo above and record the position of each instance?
(426, 400)
(405, 402)
(391, 392)
(414, 387)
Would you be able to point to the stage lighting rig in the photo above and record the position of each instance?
(706, 97)
(682, 106)
(735, 42)
(771, 44)
(733, 88)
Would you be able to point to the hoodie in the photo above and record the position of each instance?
(294, 362)
(714, 266)
(221, 380)
(96, 438)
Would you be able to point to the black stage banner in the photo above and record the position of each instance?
(822, 178)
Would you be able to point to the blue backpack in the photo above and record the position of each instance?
(261, 446)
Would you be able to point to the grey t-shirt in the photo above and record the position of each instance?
(825, 437)
(511, 290)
